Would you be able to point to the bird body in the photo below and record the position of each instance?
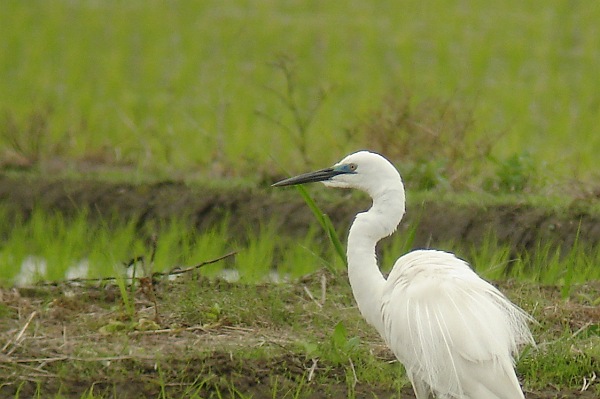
(455, 333)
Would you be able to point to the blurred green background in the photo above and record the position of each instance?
(241, 88)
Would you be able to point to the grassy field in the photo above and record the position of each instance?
(484, 102)
(218, 88)
(279, 305)
(208, 338)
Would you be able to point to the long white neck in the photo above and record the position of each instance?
(368, 228)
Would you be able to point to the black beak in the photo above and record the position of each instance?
(311, 177)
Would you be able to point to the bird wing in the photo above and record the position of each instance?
(451, 329)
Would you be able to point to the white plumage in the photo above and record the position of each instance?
(452, 330)
(455, 333)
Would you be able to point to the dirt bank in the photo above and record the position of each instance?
(523, 226)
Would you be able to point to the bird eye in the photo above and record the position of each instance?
(352, 167)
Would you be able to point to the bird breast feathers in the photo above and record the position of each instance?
(439, 316)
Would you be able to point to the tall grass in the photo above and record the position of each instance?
(52, 247)
(180, 85)
(549, 263)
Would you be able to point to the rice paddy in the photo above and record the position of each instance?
(481, 106)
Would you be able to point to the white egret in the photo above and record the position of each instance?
(455, 333)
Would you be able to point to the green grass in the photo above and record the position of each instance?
(55, 245)
(190, 87)
(54, 248)
(308, 316)
(263, 342)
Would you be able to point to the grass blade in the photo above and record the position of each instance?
(325, 222)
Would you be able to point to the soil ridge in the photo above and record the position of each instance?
(522, 226)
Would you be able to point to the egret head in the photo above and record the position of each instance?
(362, 170)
